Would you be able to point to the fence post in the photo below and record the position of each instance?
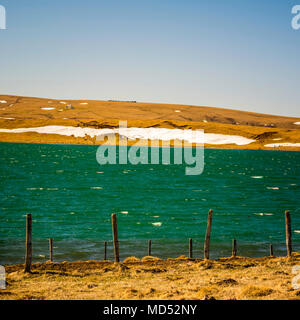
(149, 248)
(288, 233)
(105, 250)
(51, 249)
(115, 237)
(28, 256)
(207, 236)
(234, 250)
(191, 248)
(271, 250)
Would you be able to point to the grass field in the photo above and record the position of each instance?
(236, 278)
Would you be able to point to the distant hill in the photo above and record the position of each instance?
(19, 112)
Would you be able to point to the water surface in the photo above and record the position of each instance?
(72, 197)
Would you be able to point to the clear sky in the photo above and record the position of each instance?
(240, 54)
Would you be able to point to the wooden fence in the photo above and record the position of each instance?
(28, 255)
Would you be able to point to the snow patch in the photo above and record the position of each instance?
(47, 108)
(283, 144)
(141, 133)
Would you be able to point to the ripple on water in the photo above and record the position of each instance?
(157, 224)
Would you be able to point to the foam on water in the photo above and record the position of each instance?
(157, 224)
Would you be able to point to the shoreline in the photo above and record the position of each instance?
(231, 278)
(216, 147)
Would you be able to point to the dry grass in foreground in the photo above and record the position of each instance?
(152, 278)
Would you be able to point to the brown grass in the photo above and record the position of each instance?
(27, 113)
(226, 278)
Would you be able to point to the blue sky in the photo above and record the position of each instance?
(231, 53)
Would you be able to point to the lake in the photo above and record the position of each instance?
(71, 198)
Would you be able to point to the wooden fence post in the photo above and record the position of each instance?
(51, 249)
(149, 248)
(234, 250)
(115, 237)
(191, 248)
(288, 233)
(28, 256)
(105, 250)
(271, 250)
(207, 236)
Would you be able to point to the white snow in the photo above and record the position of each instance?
(62, 102)
(177, 111)
(282, 144)
(47, 108)
(204, 120)
(192, 136)
(214, 138)
(83, 103)
(7, 118)
(298, 123)
(3, 101)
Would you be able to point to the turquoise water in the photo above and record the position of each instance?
(72, 197)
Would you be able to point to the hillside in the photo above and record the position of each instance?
(27, 112)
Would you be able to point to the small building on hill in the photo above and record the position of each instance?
(69, 107)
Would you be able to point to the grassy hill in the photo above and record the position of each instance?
(20, 112)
